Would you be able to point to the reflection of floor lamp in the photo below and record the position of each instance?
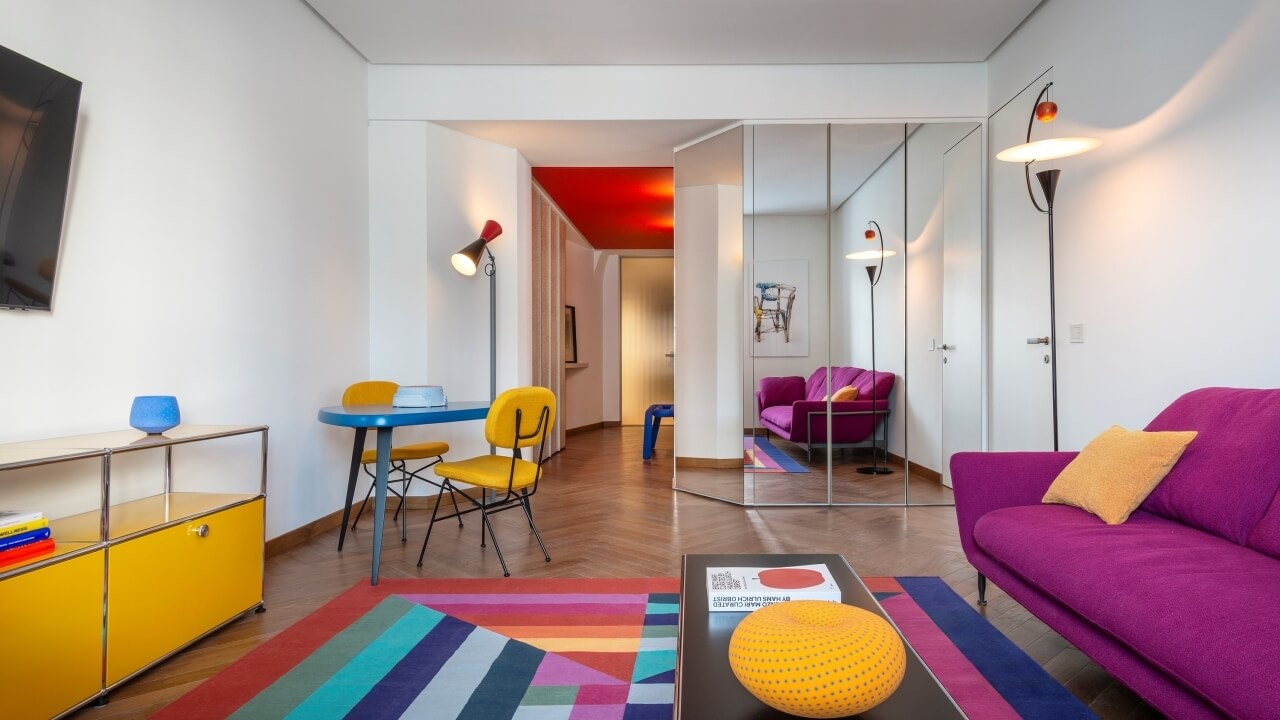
(1027, 153)
(873, 277)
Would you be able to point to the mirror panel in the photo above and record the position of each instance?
(868, 311)
(787, 291)
(708, 301)
(944, 325)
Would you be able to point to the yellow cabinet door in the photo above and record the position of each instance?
(51, 625)
(167, 588)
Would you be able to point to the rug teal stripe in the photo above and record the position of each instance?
(341, 692)
(295, 686)
(504, 686)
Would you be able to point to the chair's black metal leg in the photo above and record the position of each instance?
(356, 451)
(456, 511)
(528, 509)
(982, 589)
(524, 503)
(404, 498)
(430, 525)
(485, 517)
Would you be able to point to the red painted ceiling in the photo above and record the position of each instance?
(616, 208)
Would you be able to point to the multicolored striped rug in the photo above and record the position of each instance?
(760, 455)
(565, 649)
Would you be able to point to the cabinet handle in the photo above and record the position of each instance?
(201, 531)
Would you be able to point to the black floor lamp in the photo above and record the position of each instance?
(873, 278)
(465, 262)
(1027, 153)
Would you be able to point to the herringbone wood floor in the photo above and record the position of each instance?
(604, 513)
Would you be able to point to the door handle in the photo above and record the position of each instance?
(945, 346)
(671, 354)
(1038, 340)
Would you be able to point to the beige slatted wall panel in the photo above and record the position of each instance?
(550, 232)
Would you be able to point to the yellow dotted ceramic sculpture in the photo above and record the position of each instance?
(817, 659)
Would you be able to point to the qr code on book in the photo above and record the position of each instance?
(724, 581)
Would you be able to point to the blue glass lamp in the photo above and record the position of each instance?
(154, 414)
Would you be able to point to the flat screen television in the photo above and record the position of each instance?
(38, 111)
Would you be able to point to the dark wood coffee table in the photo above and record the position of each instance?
(705, 685)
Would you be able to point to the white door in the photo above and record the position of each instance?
(1021, 394)
(961, 300)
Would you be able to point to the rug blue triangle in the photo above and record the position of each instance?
(663, 678)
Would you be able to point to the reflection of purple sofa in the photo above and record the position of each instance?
(794, 408)
(1179, 602)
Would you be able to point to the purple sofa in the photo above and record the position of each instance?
(1180, 602)
(793, 408)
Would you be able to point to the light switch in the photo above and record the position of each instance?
(933, 344)
(1077, 333)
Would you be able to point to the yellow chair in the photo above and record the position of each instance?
(519, 418)
(381, 392)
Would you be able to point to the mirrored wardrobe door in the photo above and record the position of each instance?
(868, 313)
(944, 339)
(787, 270)
(708, 309)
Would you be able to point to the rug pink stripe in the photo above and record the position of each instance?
(526, 598)
(485, 609)
(962, 680)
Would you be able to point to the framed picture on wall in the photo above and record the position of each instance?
(570, 334)
(779, 309)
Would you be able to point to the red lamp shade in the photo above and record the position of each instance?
(1047, 111)
(491, 230)
(870, 234)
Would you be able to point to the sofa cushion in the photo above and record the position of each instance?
(1227, 478)
(815, 388)
(1198, 606)
(779, 416)
(881, 389)
(1117, 470)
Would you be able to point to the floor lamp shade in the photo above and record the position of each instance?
(467, 259)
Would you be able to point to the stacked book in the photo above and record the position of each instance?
(23, 535)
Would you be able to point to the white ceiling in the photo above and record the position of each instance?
(673, 32)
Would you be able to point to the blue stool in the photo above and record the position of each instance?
(652, 421)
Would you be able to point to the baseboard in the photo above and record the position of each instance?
(714, 463)
(918, 470)
(304, 534)
(611, 423)
(570, 432)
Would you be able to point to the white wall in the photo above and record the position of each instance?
(215, 239)
(708, 288)
(786, 237)
(921, 90)
(584, 388)
(1165, 246)
(431, 190)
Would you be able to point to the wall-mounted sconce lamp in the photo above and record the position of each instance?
(873, 277)
(1049, 149)
(466, 261)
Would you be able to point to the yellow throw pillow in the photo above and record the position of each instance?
(845, 394)
(1117, 470)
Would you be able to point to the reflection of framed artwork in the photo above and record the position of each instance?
(780, 309)
(570, 334)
